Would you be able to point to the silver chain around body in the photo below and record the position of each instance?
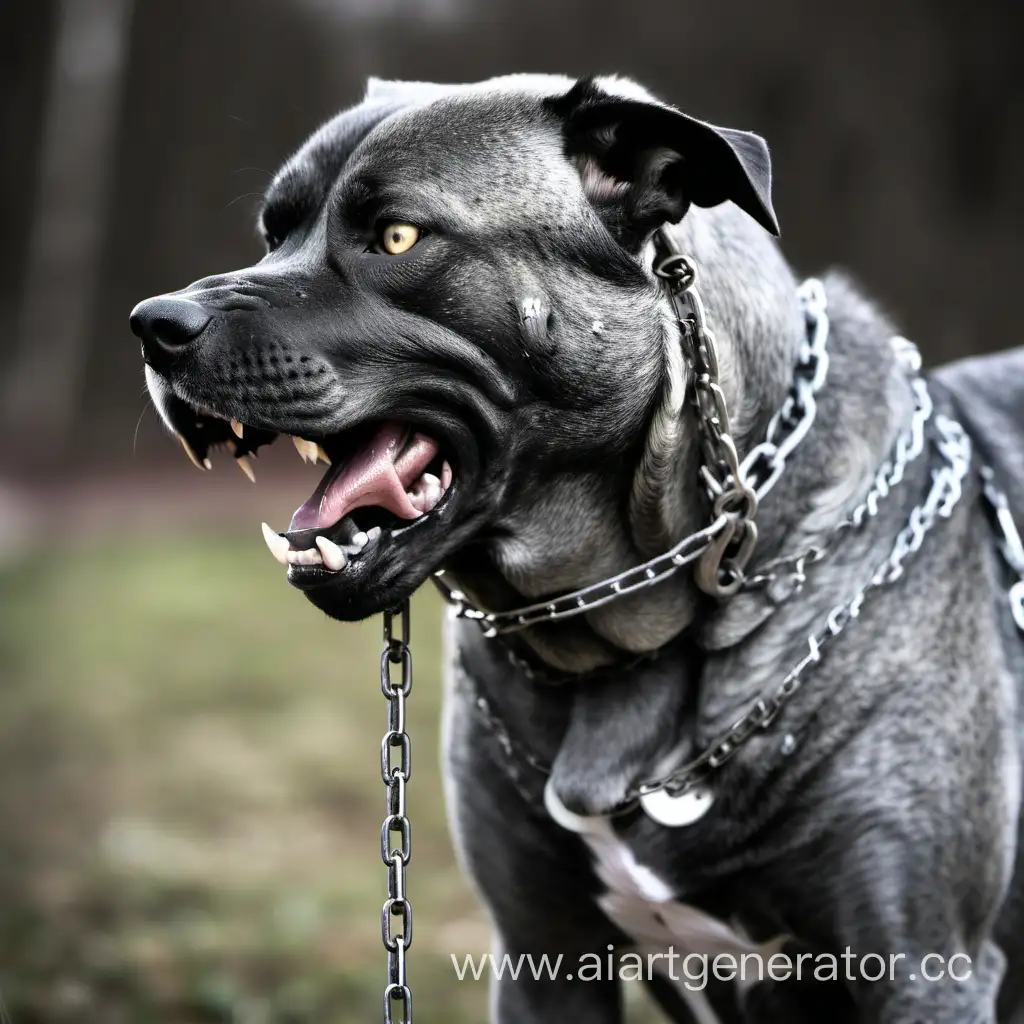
(395, 768)
(954, 447)
(785, 576)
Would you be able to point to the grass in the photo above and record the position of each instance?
(191, 797)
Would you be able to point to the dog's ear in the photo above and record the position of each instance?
(643, 163)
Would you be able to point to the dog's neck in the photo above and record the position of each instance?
(751, 299)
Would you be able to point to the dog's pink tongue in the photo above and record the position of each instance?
(379, 475)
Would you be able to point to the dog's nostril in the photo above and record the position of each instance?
(169, 322)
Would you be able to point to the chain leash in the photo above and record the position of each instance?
(396, 833)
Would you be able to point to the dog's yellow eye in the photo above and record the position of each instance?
(398, 238)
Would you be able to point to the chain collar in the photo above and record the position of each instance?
(723, 549)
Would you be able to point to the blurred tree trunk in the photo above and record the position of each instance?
(65, 240)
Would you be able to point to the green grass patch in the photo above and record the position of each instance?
(191, 797)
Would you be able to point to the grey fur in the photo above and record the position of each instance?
(882, 810)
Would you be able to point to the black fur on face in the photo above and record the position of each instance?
(518, 333)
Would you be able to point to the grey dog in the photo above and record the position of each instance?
(458, 311)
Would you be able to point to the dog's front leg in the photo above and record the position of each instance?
(538, 884)
(908, 948)
(529, 1000)
(965, 994)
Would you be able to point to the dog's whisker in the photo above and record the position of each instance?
(138, 423)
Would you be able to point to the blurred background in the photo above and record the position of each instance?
(189, 790)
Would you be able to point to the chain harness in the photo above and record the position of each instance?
(720, 553)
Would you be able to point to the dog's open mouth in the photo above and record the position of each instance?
(382, 478)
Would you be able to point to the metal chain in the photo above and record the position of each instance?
(724, 548)
(395, 768)
(947, 487)
(765, 463)
(687, 550)
(719, 571)
(786, 575)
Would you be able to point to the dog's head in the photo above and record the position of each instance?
(457, 313)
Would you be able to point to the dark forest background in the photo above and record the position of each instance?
(137, 135)
(189, 783)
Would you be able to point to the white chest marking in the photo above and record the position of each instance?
(644, 907)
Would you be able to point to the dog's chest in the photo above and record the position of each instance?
(645, 907)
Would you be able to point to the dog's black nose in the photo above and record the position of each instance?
(167, 322)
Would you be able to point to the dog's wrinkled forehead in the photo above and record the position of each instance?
(453, 144)
(480, 161)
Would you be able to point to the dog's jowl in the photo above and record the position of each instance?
(735, 676)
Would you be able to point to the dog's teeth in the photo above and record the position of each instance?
(237, 428)
(426, 493)
(446, 476)
(246, 467)
(205, 464)
(322, 455)
(306, 449)
(334, 558)
(278, 545)
(373, 533)
(359, 540)
(306, 556)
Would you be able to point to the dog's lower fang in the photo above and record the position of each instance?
(329, 555)
(279, 546)
(333, 557)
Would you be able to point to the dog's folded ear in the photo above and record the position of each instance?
(643, 164)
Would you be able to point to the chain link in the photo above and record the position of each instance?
(765, 463)
(396, 832)
(947, 487)
(719, 570)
